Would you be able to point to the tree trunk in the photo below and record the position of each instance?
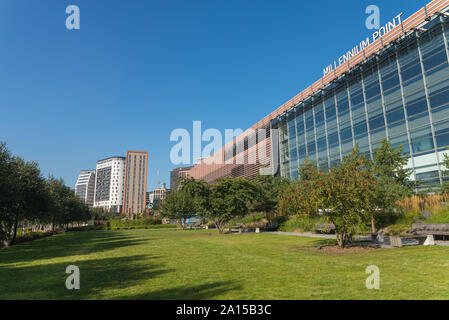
(373, 224)
(16, 224)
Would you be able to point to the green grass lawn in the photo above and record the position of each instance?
(170, 264)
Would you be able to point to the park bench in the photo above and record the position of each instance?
(194, 225)
(237, 228)
(429, 231)
(424, 233)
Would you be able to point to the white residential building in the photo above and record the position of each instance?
(109, 184)
(85, 186)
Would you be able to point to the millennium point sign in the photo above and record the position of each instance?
(390, 26)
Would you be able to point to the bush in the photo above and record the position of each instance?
(138, 223)
(301, 224)
(86, 228)
(439, 217)
(254, 220)
(403, 223)
(29, 236)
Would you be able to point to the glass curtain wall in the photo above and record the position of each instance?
(403, 94)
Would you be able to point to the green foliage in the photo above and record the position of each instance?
(346, 195)
(393, 183)
(150, 221)
(300, 223)
(100, 214)
(228, 199)
(250, 219)
(439, 217)
(179, 205)
(302, 197)
(26, 197)
(30, 236)
(270, 189)
(404, 223)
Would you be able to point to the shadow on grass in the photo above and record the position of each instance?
(98, 277)
(199, 292)
(68, 244)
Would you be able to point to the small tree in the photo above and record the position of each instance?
(270, 189)
(346, 195)
(228, 199)
(303, 196)
(393, 183)
(445, 186)
(178, 205)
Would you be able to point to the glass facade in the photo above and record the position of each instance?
(401, 94)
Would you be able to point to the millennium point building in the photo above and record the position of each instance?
(109, 184)
(395, 85)
(85, 186)
(136, 173)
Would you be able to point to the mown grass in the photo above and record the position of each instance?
(169, 264)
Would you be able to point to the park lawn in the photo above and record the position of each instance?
(172, 264)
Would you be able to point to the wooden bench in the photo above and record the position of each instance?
(237, 228)
(429, 231)
(424, 233)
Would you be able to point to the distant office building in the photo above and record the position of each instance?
(85, 186)
(148, 200)
(158, 195)
(136, 173)
(109, 185)
(177, 173)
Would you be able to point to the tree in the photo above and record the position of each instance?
(303, 196)
(270, 189)
(393, 183)
(346, 196)
(199, 190)
(6, 194)
(23, 193)
(179, 205)
(445, 186)
(228, 199)
(65, 206)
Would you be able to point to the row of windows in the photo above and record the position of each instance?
(395, 97)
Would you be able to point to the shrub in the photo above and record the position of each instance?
(439, 217)
(29, 236)
(86, 228)
(301, 224)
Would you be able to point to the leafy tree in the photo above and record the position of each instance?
(179, 205)
(270, 189)
(393, 180)
(199, 190)
(445, 186)
(303, 196)
(24, 194)
(228, 199)
(65, 206)
(346, 195)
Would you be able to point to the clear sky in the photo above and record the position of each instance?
(138, 69)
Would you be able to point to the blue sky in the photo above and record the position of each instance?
(138, 69)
